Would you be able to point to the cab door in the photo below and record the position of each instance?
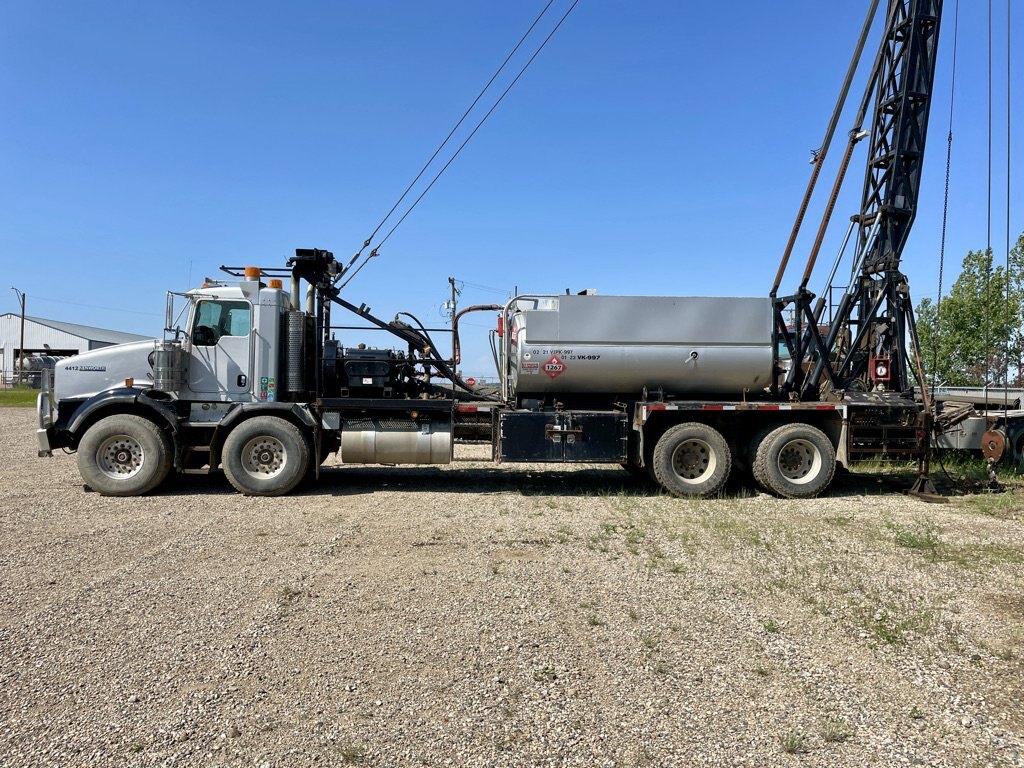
(221, 336)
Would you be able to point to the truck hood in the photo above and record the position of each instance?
(92, 372)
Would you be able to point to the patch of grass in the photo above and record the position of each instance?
(351, 754)
(835, 731)
(18, 397)
(137, 747)
(650, 641)
(737, 530)
(793, 743)
(564, 534)
(771, 626)
(633, 613)
(893, 627)
(287, 593)
(544, 675)
(839, 520)
(1004, 506)
(923, 535)
(634, 534)
(594, 620)
(916, 714)
(983, 555)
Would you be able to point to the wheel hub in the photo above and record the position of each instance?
(693, 460)
(120, 457)
(798, 459)
(264, 456)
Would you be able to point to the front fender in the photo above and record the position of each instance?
(120, 400)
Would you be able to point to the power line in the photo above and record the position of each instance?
(95, 306)
(451, 133)
(373, 253)
(479, 125)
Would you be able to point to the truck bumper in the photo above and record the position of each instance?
(44, 416)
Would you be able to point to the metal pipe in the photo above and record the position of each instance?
(839, 258)
(818, 157)
(826, 217)
(21, 344)
(456, 346)
(293, 296)
(310, 300)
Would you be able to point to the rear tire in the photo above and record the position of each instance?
(691, 460)
(795, 461)
(124, 455)
(265, 456)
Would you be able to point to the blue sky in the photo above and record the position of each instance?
(652, 148)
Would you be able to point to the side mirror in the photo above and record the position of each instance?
(169, 315)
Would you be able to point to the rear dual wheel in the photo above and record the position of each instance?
(795, 461)
(691, 460)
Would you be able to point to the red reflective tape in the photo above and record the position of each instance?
(768, 408)
(466, 408)
(655, 407)
(825, 407)
(714, 407)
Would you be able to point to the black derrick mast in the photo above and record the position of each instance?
(865, 344)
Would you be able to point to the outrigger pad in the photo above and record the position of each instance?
(925, 490)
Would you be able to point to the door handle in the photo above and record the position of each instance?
(241, 379)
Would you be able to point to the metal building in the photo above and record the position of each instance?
(51, 338)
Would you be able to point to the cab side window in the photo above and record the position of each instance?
(215, 319)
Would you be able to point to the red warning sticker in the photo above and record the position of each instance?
(554, 367)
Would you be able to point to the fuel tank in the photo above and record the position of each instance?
(620, 345)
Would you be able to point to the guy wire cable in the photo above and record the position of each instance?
(1009, 325)
(374, 253)
(988, 224)
(451, 133)
(945, 203)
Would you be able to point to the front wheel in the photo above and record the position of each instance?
(795, 461)
(692, 460)
(265, 456)
(124, 455)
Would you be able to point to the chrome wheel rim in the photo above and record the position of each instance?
(264, 456)
(799, 461)
(120, 457)
(694, 461)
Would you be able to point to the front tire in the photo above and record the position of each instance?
(691, 460)
(265, 456)
(795, 461)
(124, 455)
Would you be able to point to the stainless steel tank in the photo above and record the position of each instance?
(624, 344)
(168, 366)
(396, 441)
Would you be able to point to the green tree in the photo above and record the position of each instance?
(979, 330)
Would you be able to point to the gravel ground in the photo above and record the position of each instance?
(502, 616)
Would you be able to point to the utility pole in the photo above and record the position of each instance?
(21, 345)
